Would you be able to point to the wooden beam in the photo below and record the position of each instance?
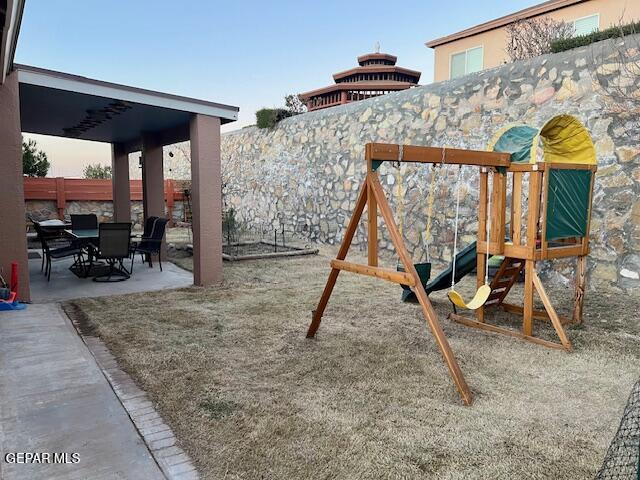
(537, 314)
(390, 152)
(527, 319)
(487, 327)
(560, 252)
(497, 215)
(527, 167)
(483, 213)
(557, 325)
(384, 273)
(423, 299)
(545, 193)
(316, 316)
(372, 225)
(516, 209)
(581, 282)
(533, 209)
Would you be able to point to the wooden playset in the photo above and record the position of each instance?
(551, 173)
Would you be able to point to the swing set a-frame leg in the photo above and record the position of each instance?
(342, 254)
(372, 187)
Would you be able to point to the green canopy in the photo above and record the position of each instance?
(563, 140)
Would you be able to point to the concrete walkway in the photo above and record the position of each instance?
(54, 398)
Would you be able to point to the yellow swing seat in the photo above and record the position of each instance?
(478, 300)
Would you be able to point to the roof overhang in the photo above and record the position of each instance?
(10, 18)
(530, 12)
(377, 69)
(377, 56)
(64, 105)
(358, 86)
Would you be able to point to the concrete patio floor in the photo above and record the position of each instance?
(56, 399)
(64, 285)
(54, 396)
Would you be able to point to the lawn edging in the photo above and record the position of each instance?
(174, 462)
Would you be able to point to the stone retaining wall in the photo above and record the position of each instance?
(45, 210)
(309, 168)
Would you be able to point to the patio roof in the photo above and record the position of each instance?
(10, 17)
(64, 105)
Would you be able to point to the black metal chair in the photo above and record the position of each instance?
(84, 221)
(114, 244)
(49, 252)
(152, 243)
(148, 227)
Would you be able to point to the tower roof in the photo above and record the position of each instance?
(385, 57)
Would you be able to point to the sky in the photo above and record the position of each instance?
(243, 53)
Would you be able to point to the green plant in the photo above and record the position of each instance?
(583, 40)
(34, 161)
(97, 171)
(269, 117)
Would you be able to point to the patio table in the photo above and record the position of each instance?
(85, 236)
(89, 234)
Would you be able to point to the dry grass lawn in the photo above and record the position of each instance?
(249, 397)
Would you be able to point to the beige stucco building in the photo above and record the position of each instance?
(483, 46)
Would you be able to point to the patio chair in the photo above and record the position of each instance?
(148, 227)
(84, 221)
(151, 244)
(49, 251)
(114, 242)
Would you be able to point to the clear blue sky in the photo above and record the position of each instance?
(244, 53)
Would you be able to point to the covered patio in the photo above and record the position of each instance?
(36, 100)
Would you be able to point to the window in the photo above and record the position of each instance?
(586, 25)
(466, 62)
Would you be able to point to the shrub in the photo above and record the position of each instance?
(268, 117)
(583, 40)
(97, 171)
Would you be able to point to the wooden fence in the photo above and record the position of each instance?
(62, 189)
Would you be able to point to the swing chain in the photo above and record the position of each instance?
(488, 226)
(455, 231)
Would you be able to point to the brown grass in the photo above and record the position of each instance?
(249, 397)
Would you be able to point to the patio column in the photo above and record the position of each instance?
(152, 176)
(120, 183)
(13, 237)
(206, 192)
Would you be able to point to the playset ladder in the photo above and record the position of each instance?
(507, 275)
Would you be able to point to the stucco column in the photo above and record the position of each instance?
(120, 184)
(13, 236)
(152, 176)
(206, 192)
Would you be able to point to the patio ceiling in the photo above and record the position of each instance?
(64, 105)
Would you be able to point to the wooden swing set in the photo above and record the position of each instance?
(520, 247)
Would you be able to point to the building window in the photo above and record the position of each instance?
(466, 62)
(586, 25)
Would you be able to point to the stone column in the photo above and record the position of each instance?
(120, 184)
(152, 176)
(13, 236)
(206, 191)
(153, 179)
